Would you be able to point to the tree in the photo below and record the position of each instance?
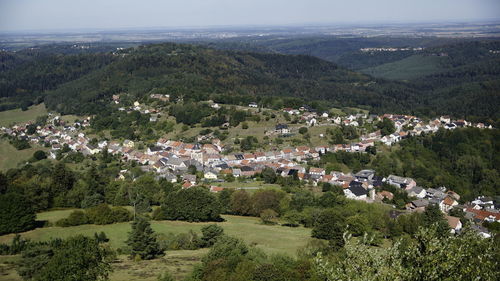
(241, 203)
(39, 155)
(386, 127)
(16, 214)
(193, 204)
(210, 234)
(142, 241)
(269, 175)
(433, 216)
(266, 199)
(268, 216)
(78, 258)
(330, 227)
(302, 130)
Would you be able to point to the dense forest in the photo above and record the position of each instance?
(463, 160)
(81, 82)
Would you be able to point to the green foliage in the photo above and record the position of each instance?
(330, 227)
(268, 216)
(181, 241)
(166, 276)
(268, 175)
(77, 258)
(386, 127)
(39, 155)
(75, 218)
(241, 203)
(210, 234)
(16, 214)
(266, 199)
(142, 241)
(193, 204)
(428, 256)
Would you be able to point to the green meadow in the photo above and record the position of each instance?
(15, 116)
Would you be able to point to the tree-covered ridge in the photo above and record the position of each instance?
(26, 75)
(198, 72)
(83, 83)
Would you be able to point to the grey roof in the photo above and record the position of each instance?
(358, 190)
(416, 190)
(420, 203)
(365, 174)
(174, 161)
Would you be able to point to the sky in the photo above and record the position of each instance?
(53, 15)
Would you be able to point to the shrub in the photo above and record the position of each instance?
(268, 216)
(210, 234)
(39, 155)
(75, 218)
(120, 214)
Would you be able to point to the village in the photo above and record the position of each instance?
(173, 160)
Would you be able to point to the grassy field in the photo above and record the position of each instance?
(178, 263)
(270, 238)
(407, 68)
(18, 116)
(10, 157)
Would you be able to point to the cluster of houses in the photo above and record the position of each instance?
(175, 160)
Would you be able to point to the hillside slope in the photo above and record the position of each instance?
(200, 73)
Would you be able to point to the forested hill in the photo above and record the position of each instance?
(202, 73)
(83, 82)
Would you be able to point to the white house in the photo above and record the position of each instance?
(210, 175)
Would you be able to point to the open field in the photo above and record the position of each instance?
(10, 157)
(270, 238)
(15, 116)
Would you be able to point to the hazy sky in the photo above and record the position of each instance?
(17, 15)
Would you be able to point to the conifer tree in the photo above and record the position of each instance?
(142, 240)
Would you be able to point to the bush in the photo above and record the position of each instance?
(210, 234)
(39, 155)
(74, 219)
(120, 214)
(181, 241)
(268, 216)
(103, 214)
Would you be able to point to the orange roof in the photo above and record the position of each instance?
(482, 214)
(453, 221)
(449, 201)
(216, 188)
(316, 170)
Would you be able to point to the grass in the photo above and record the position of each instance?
(10, 157)
(270, 238)
(248, 185)
(408, 68)
(178, 263)
(16, 116)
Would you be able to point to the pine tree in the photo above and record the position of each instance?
(142, 240)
